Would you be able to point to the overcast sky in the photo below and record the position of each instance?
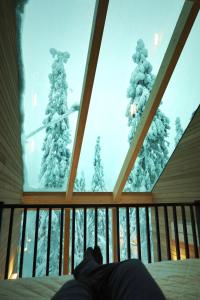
(66, 25)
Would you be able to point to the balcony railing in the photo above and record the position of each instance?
(149, 232)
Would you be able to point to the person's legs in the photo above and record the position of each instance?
(73, 290)
(130, 280)
(83, 287)
(87, 265)
(127, 280)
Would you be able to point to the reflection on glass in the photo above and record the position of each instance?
(172, 117)
(53, 73)
(150, 21)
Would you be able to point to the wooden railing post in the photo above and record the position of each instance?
(66, 242)
(114, 234)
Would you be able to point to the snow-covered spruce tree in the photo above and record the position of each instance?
(79, 186)
(179, 130)
(56, 154)
(98, 185)
(154, 152)
(55, 161)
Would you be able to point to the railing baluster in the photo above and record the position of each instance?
(73, 239)
(48, 243)
(138, 232)
(9, 243)
(185, 234)
(61, 240)
(85, 230)
(176, 233)
(158, 233)
(167, 232)
(95, 226)
(194, 234)
(1, 213)
(35, 242)
(118, 235)
(128, 233)
(107, 236)
(197, 214)
(22, 243)
(148, 234)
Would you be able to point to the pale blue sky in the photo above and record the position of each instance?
(66, 25)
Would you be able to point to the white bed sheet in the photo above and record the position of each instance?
(179, 280)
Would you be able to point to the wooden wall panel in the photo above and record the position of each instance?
(180, 180)
(10, 141)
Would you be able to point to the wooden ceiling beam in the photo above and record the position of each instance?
(176, 44)
(84, 198)
(91, 64)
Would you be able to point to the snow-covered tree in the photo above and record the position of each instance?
(56, 154)
(55, 161)
(98, 184)
(154, 152)
(179, 130)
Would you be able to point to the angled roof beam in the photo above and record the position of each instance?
(91, 64)
(177, 42)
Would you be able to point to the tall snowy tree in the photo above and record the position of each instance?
(179, 130)
(56, 154)
(154, 152)
(98, 185)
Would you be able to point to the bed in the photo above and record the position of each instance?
(177, 279)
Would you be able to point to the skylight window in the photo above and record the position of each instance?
(106, 139)
(178, 106)
(54, 49)
(51, 107)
